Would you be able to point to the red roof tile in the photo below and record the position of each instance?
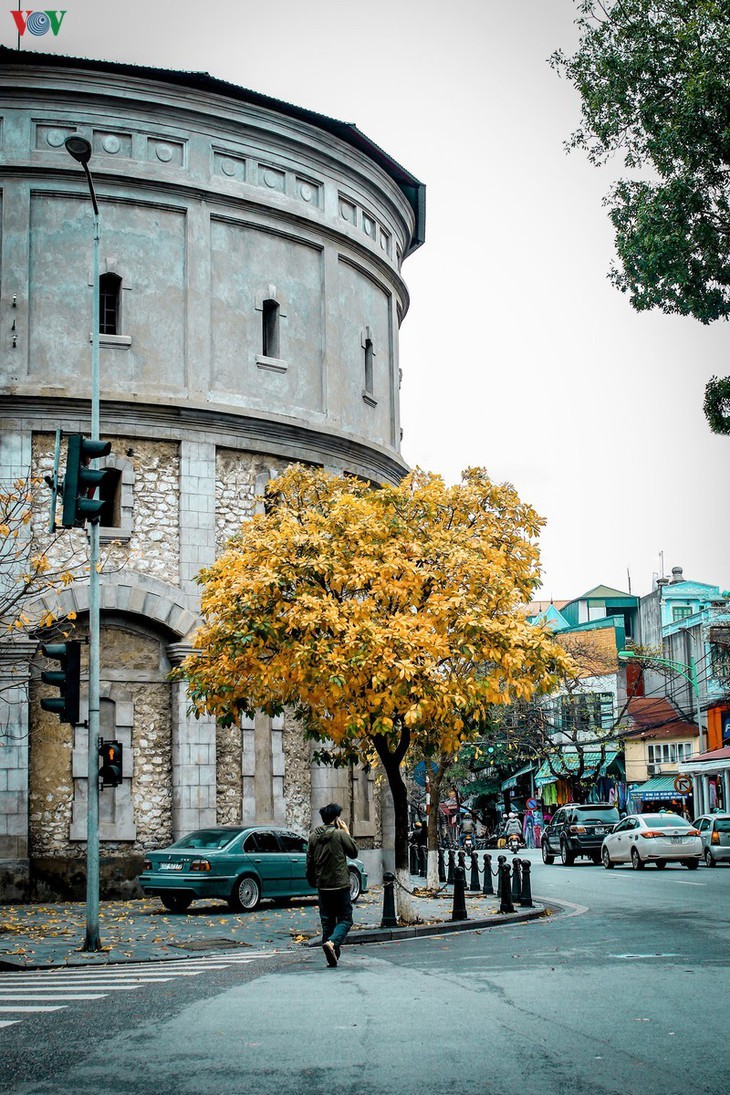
(657, 717)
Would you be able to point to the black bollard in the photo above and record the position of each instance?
(413, 863)
(423, 861)
(474, 881)
(488, 887)
(505, 903)
(516, 878)
(462, 860)
(459, 911)
(389, 918)
(501, 860)
(526, 894)
(450, 877)
(442, 869)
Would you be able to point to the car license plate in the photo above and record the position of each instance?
(171, 866)
(600, 830)
(676, 840)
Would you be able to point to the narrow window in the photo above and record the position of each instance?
(369, 365)
(110, 492)
(270, 329)
(109, 294)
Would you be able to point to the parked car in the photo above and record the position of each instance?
(578, 830)
(652, 838)
(241, 864)
(714, 830)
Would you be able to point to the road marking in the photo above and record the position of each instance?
(41, 1007)
(52, 996)
(691, 883)
(669, 954)
(8, 1022)
(63, 987)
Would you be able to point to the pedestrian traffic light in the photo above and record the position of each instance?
(67, 679)
(110, 772)
(80, 481)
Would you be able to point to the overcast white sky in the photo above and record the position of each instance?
(517, 354)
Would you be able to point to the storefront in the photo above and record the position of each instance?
(710, 774)
(592, 777)
(660, 793)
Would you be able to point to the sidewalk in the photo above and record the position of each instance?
(41, 936)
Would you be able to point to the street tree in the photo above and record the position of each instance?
(654, 82)
(388, 618)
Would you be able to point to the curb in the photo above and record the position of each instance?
(444, 927)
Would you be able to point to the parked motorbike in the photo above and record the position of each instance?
(514, 843)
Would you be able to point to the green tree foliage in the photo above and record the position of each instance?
(654, 82)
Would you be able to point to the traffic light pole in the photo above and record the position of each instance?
(92, 941)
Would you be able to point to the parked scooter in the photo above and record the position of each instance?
(514, 843)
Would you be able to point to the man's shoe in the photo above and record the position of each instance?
(337, 951)
(330, 953)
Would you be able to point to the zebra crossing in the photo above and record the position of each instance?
(39, 992)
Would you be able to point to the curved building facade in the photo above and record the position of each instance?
(251, 297)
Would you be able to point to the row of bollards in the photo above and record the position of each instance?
(513, 883)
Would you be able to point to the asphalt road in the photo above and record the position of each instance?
(623, 992)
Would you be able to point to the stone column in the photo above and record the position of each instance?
(197, 513)
(193, 759)
(262, 773)
(14, 735)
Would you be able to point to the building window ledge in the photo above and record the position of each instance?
(273, 364)
(122, 341)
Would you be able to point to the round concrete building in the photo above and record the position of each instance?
(250, 302)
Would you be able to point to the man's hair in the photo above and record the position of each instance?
(329, 812)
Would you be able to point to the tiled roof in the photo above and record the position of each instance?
(656, 717)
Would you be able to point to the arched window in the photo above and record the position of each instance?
(110, 492)
(110, 292)
(270, 328)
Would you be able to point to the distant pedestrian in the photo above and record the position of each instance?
(329, 846)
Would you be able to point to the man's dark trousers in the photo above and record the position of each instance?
(335, 912)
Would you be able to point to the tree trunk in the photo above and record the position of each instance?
(391, 762)
(432, 880)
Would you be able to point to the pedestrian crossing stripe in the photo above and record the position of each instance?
(53, 989)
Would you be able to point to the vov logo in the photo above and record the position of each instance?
(38, 22)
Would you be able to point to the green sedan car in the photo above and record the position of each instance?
(240, 863)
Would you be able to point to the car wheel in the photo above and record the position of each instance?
(355, 885)
(661, 864)
(176, 902)
(547, 856)
(246, 895)
(636, 861)
(606, 859)
(709, 861)
(692, 864)
(567, 858)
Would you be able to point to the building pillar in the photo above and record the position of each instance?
(15, 659)
(193, 758)
(197, 514)
(262, 770)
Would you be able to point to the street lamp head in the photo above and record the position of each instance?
(79, 148)
(626, 655)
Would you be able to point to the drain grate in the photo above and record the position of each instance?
(210, 944)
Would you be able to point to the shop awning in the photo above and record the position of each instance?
(660, 787)
(565, 764)
(507, 784)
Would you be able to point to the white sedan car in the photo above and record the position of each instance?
(652, 838)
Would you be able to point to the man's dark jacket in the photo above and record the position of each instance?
(327, 854)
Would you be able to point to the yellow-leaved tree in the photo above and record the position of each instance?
(388, 618)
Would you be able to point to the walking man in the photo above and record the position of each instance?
(329, 846)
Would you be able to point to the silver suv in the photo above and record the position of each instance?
(715, 835)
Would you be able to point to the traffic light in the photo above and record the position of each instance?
(80, 481)
(110, 772)
(67, 679)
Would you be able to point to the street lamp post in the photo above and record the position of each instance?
(689, 672)
(80, 149)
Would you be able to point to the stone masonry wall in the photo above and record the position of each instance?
(239, 478)
(229, 748)
(154, 544)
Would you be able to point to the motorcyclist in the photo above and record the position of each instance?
(513, 826)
